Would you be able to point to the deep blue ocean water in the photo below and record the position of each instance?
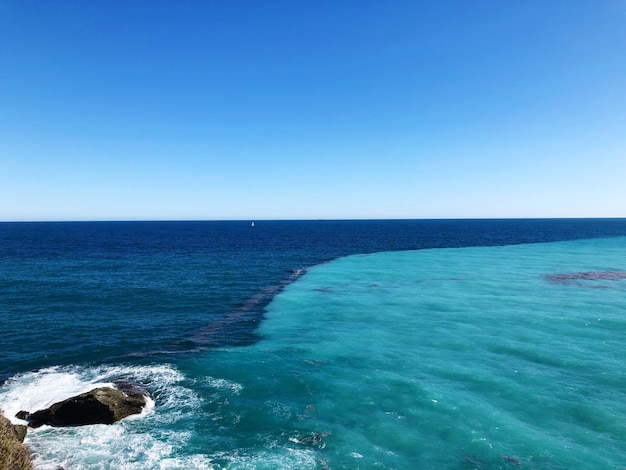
(323, 344)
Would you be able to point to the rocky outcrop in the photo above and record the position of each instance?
(20, 431)
(99, 406)
(13, 454)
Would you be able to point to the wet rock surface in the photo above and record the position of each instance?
(99, 406)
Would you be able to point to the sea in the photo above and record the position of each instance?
(356, 344)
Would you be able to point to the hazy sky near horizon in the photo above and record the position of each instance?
(116, 110)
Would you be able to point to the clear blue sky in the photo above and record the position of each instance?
(115, 110)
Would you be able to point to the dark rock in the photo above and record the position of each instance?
(22, 415)
(314, 439)
(13, 454)
(99, 406)
(130, 388)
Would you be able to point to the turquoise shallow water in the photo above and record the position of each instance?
(449, 358)
(455, 358)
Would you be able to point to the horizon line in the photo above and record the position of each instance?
(43, 221)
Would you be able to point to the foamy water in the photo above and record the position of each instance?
(139, 441)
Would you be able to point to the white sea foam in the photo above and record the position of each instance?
(38, 390)
(224, 384)
(147, 440)
(277, 458)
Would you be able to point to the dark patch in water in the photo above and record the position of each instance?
(573, 278)
(512, 459)
(234, 329)
(505, 461)
(323, 289)
(475, 463)
(250, 312)
(314, 439)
